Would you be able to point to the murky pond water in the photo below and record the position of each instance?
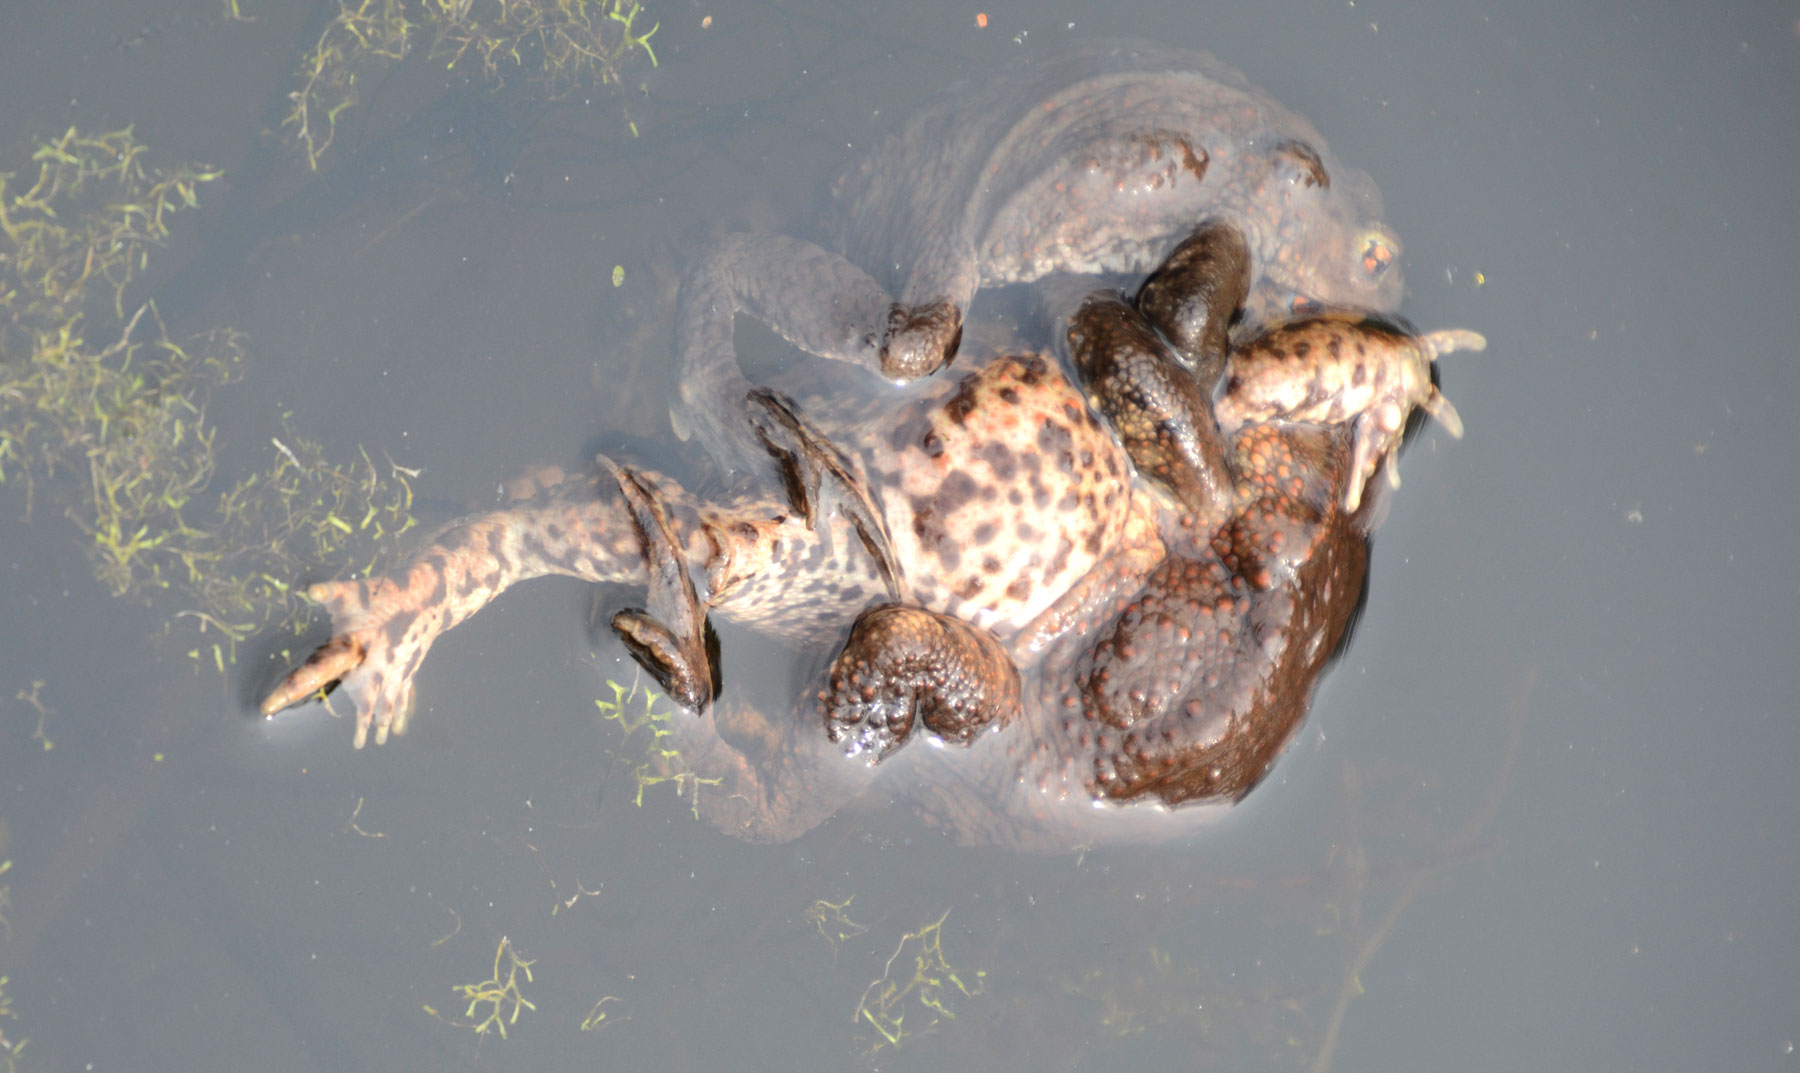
(1540, 816)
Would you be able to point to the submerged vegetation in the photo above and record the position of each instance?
(112, 401)
(834, 923)
(498, 1001)
(651, 760)
(9, 1048)
(562, 44)
(933, 983)
(95, 389)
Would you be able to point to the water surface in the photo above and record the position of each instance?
(1600, 572)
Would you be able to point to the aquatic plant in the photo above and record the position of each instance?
(562, 44)
(499, 999)
(933, 983)
(127, 415)
(9, 1048)
(652, 761)
(833, 921)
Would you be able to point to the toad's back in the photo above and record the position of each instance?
(1098, 159)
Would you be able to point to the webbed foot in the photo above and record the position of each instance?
(381, 634)
(820, 478)
(668, 639)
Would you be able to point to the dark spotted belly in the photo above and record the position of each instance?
(999, 498)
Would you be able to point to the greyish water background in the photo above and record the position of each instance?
(1603, 568)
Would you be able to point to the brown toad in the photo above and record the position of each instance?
(1166, 658)
(1093, 159)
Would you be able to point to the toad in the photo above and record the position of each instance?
(1095, 159)
(1166, 653)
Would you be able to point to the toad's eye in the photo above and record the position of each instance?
(1302, 306)
(1377, 255)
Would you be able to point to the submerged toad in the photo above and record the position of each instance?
(1115, 616)
(1127, 652)
(1098, 158)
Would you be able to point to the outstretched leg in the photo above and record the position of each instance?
(1342, 369)
(383, 626)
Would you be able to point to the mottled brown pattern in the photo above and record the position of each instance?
(1162, 671)
(901, 663)
(1168, 649)
(1371, 375)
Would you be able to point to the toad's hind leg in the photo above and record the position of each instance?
(383, 626)
(1192, 297)
(669, 639)
(1157, 409)
(820, 479)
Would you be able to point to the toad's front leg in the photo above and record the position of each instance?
(383, 626)
(813, 298)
